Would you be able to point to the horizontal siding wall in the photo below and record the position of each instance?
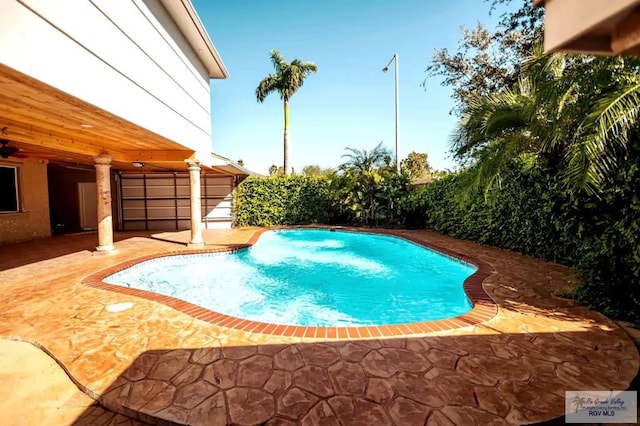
(126, 57)
(161, 201)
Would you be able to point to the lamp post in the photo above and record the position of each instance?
(385, 69)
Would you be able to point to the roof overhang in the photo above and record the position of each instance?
(595, 27)
(226, 166)
(46, 124)
(189, 23)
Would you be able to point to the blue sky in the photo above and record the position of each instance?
(349, 102)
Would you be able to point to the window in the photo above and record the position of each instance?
(8, 189)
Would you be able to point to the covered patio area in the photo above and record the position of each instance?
(71, 158)
(131, 100)
(158, 364)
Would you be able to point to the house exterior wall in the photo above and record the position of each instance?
(32, 221)
(568, 20)
(127, 57)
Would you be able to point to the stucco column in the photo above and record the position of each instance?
(103, 192)
(196, 207)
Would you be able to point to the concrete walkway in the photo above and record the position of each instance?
(35, 390)
(155, 363)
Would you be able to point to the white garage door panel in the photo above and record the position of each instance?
(160, 201)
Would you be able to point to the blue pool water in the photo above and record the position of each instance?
(314, 278)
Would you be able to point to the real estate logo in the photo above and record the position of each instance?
(601, 406)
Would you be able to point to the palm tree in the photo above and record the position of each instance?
(363, 160)
(362, 181)
(288, 78)
(493, 131)
(576, 111)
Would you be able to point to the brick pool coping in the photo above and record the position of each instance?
(484, 308)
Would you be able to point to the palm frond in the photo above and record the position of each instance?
(268, 85)
(294, 75)
(491, 117)
(615, 113)
(493, 160)
(287, 79)
(541, 66)
(278, 61)
(602, 138)
(363, 160)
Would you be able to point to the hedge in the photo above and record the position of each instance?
(282, 200)
(532, 213)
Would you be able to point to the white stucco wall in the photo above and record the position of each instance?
(126, 57)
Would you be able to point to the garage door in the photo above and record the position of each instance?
(160, 201)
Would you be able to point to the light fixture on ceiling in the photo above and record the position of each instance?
(7, 151)
(86, 126)
(138, 164)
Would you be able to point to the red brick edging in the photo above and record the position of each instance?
(484, 308)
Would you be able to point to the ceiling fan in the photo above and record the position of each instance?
(7, 151)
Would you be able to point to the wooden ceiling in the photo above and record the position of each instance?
(47, 124)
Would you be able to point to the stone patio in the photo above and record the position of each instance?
(160, 365)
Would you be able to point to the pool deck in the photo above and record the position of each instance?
(162, 365)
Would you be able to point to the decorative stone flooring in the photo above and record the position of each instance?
(34, 390)
(160, 365)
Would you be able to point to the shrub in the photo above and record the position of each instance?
(531, 213)
(282, 200)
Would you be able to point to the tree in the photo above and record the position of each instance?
(518, 104)
(416, 165)
(576, 113)
(369, 186)
(275, 170)
(363, 160)
(566, 126)
(315, 170)
(288, 78)
(487, 61)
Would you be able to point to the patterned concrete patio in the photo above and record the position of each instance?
(161, 365)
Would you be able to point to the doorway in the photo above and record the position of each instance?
(88, 205)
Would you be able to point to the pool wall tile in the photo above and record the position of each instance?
(242, 324)
(341, 332)
(364, 332)
(270, 328)
(259, 327)
(353, 333)
(278, 331)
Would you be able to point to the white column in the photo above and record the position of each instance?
(103, 192)
(196, 208)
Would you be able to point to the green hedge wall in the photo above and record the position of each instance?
(521, 215)
(283, 200)
(533, 214)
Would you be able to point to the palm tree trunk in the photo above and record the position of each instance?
(286, 166)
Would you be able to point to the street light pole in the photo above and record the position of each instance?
(385, 69)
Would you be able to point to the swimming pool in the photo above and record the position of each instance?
(313, 277)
